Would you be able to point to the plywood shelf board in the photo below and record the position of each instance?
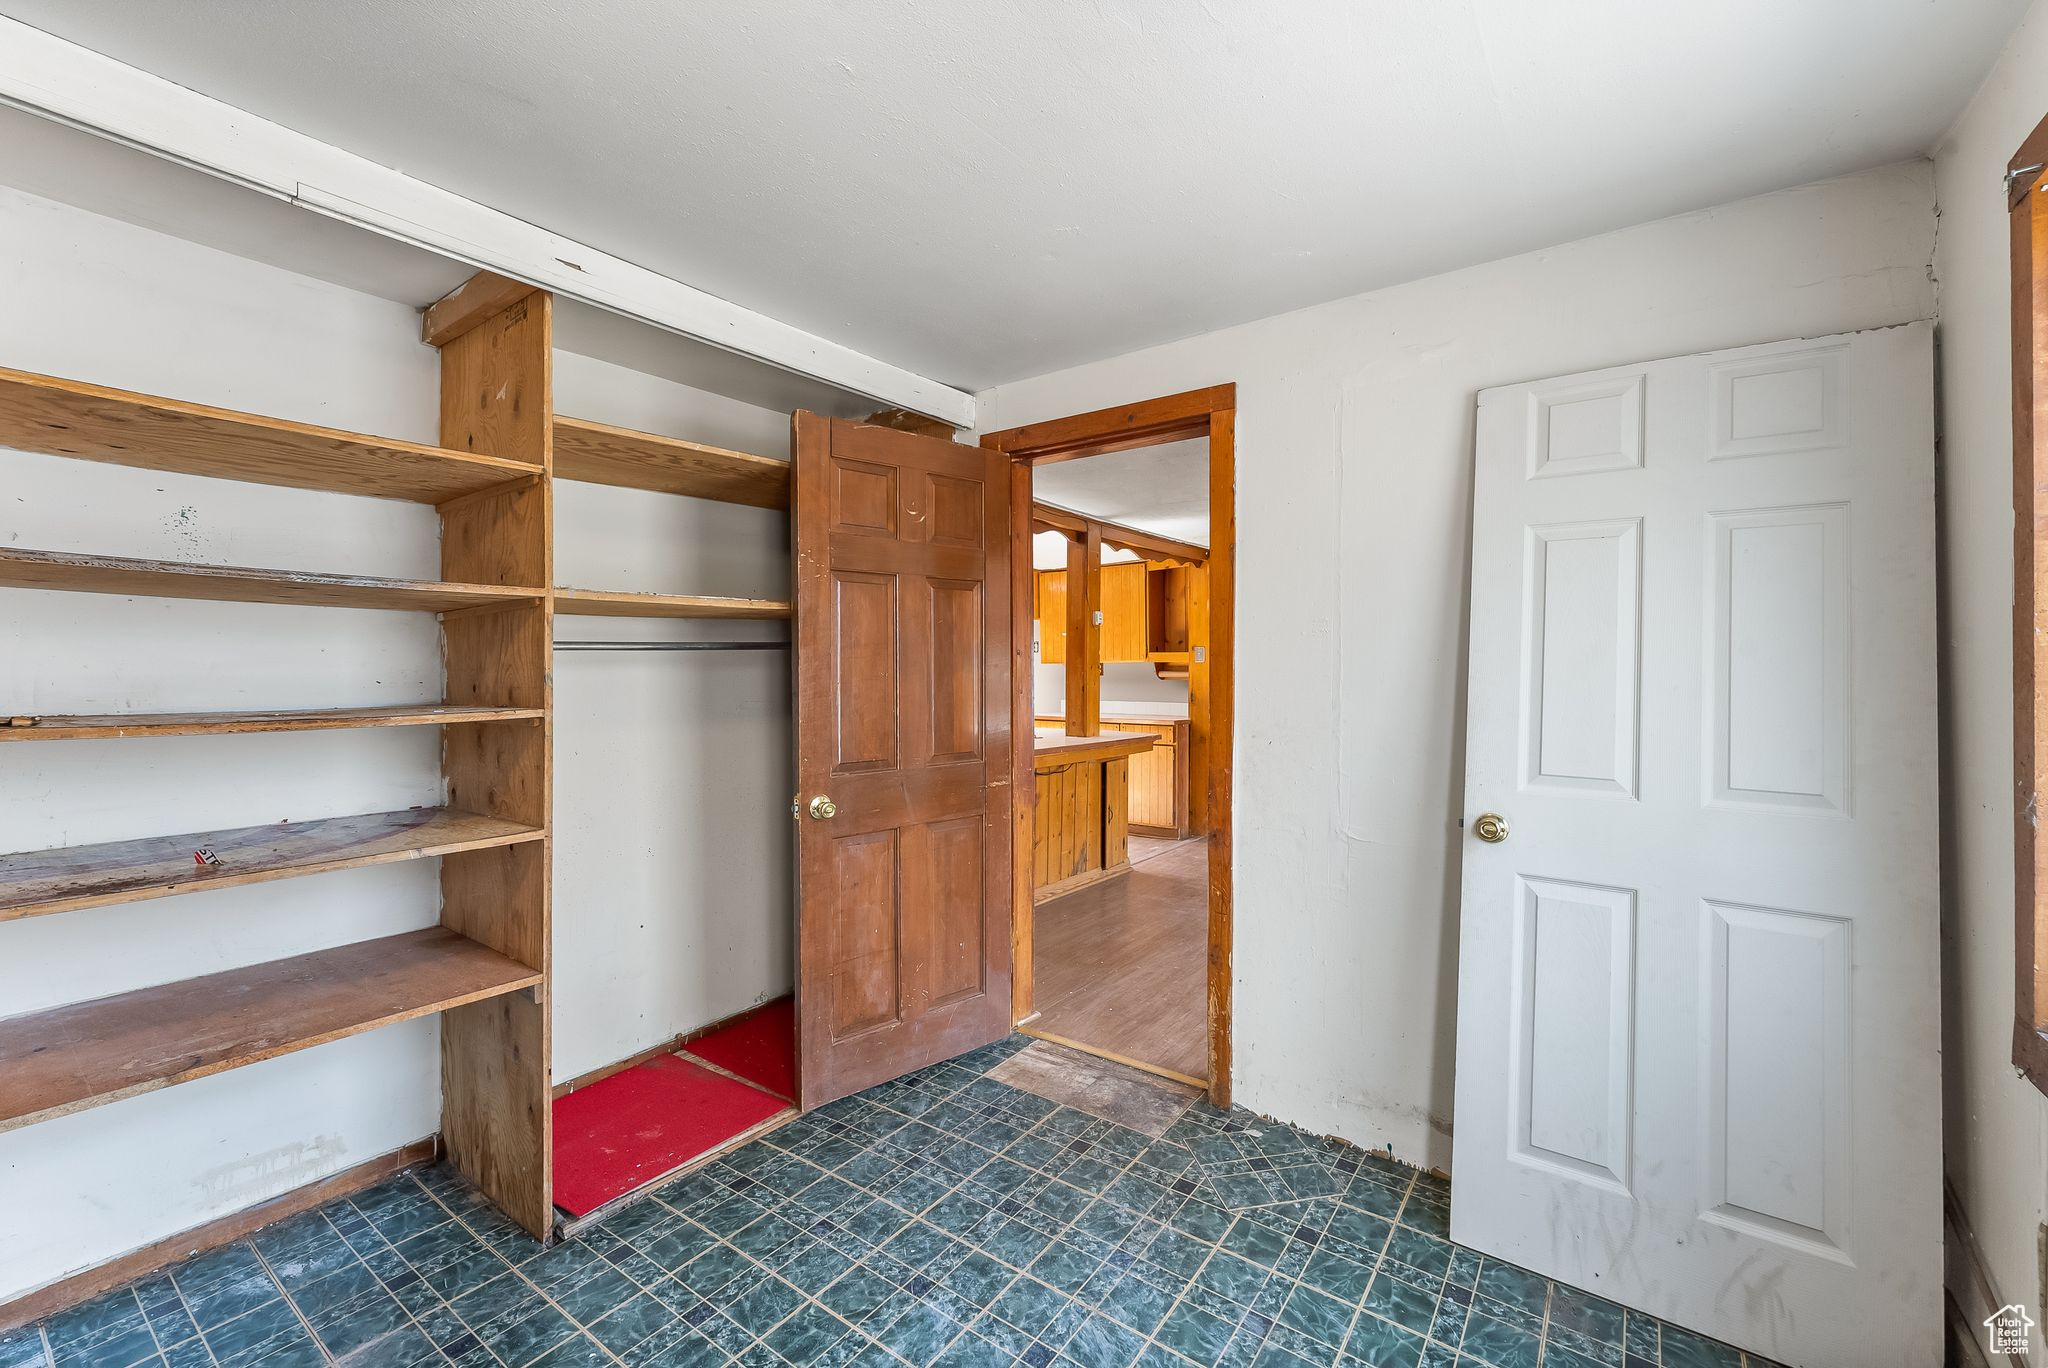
(70, 1058)
(597, 453)
(91, 422)
(23, 569)
(604, 603)
(109, 726)
(36, 883)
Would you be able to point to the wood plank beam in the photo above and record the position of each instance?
(1084, 633)
(904, 420)
(497, 396)
(1047, 517)
(484, 295)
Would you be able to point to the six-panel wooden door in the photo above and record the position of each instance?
(904, 794)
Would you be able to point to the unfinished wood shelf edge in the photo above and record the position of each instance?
(598, 453)
(606, 603)
(497, 397)
(58, 417)
(113, 726)
(90, 574)
(69, 878)
(69, 1058)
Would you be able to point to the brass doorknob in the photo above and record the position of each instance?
(1491, 828)
(823, 807)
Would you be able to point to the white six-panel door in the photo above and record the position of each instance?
(1698, 1032)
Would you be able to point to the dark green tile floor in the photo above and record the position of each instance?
(944, 1218)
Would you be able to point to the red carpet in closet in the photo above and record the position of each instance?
(760, 1047)
(631, 1128)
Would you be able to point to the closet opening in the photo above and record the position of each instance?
(673, 859)
(1122, 539)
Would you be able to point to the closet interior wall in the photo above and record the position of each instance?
(673, 849)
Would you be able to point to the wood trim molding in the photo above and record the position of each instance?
(81, 1287)
(1169, 418)
(2028, 219)
(1210, 413)
(1023, 725)
(1969, 1273)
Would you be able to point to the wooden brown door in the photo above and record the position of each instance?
(903, 752)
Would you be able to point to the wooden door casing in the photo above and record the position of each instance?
(903, 665)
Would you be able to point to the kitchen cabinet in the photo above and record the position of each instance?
(1158, 780)
(1144, 615)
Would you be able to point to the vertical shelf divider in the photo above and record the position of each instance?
(497, 399)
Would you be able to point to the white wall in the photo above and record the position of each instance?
(673, 771)
(672, 864)
(1354, 466)
(1997, 1121)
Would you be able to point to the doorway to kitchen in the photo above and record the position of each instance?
(1122, 540)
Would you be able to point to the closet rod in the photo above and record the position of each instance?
(671, 645)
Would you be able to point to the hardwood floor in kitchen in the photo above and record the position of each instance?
(1122, 966)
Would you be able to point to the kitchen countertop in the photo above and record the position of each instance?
(1052, 749)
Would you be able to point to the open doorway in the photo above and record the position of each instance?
(1122, 541)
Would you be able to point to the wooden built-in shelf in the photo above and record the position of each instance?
(66, 418)
(78, 1056)
(38, 882)
(597, 453)
(108, 726)
(604, 603)
(21, 569)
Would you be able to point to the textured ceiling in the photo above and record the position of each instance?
(986, 191)
(1163, 489)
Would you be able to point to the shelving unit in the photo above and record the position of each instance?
(605, 603)
(69, 1058)
(484, 970)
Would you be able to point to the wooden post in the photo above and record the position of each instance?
(497, 398)
(1084, 632)
(1200, 686)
